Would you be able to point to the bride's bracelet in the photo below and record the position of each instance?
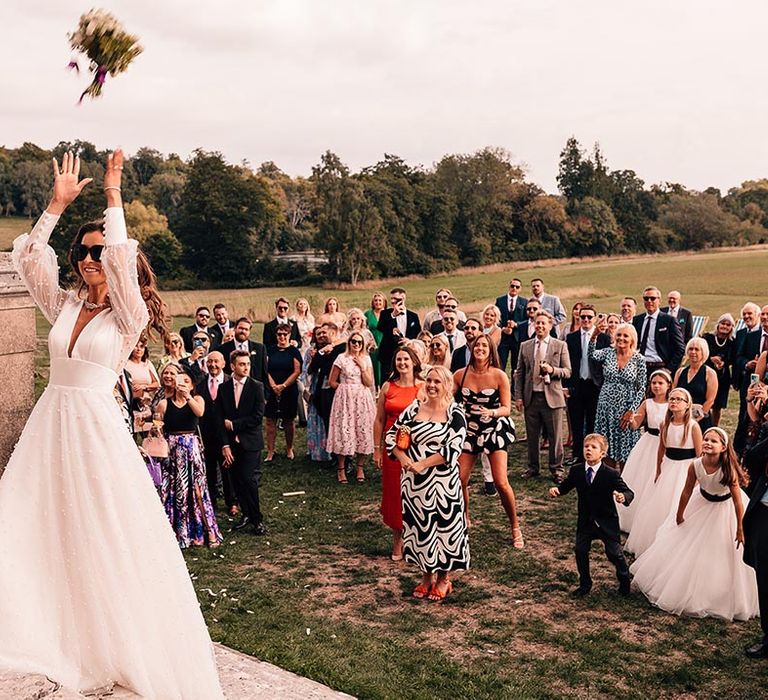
(111, 187)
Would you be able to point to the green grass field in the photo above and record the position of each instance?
(12, 226)
(710, 282)
(320, 596)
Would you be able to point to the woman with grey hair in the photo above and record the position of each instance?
(721, 346)
(699, 380)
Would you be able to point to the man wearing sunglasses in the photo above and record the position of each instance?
(660, 335)
(512, 309)
(582, 388)
(281, 319)
(397, 324)
(451, 305)
(202, 317)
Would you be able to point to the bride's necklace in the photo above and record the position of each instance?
(92, 307)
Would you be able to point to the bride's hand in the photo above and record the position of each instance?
(113, 177)
(66, 187)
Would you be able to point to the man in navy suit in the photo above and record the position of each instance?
(660, 338)
(511, 306)
(240, 402)
(396, 324)
(597, 486)
(282, 306)
(583, 386)
(242, 341)
(683, 315)
(222, 325)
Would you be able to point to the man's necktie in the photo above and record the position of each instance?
(450, 342)
(644, 337)
(765, 344)
(214, 388)
(238, 391)
(590, 474)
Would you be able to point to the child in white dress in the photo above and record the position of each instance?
(694, 566)
(640, 469)
(679, 444)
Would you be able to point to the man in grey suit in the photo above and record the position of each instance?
(549, 302)
(541, 366)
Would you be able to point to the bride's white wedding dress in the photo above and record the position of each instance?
(93, 587)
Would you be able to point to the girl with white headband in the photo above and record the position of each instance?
(640, 470)
(679, 443)
(694, 566)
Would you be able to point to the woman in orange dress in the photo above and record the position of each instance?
(395, 396)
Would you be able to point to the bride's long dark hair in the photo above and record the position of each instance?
(158, 309)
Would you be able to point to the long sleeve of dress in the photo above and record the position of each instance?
(598, 355)
(119, 261)
(36, 263)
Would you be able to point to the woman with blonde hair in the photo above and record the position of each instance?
(372, 315)
(305, 322)
(699, 380)
(491, 329)
(438, 352)
(174, 349)
(350, 426)
(427, 439)
(622, 392)
(356, 322)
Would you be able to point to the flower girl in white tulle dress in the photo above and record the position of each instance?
(694, 566)
(680, 442)
(640, 468)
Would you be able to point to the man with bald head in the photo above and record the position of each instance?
(682, 315)
(208, 388)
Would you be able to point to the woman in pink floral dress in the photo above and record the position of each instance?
(350, 428)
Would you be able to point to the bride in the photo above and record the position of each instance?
(93, 588)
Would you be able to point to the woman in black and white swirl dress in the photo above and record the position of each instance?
(434, 523)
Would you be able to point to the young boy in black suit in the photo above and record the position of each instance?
(597, 486)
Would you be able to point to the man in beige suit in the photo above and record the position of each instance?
(541, 366)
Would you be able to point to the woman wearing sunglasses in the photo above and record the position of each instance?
(350, 427)
(99, 541)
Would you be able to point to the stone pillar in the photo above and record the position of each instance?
(17, 357)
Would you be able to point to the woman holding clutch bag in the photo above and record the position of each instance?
(426, 439)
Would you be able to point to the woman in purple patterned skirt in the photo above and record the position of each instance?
(185, 487)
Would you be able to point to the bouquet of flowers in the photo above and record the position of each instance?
(110, 49)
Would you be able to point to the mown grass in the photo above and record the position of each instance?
(320, 597)
(12, 226)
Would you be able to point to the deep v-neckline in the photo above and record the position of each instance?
(73, 341)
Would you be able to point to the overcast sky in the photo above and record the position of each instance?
(674, 89)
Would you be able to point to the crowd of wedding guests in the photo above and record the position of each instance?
(626, 406)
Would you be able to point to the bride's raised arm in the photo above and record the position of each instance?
(120, 256)
(32, 257)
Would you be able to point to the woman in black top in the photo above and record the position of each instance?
(283, 369)
(699, 380)
(721, 356)
(185, 485)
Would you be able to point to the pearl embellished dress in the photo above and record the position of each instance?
(93, 588)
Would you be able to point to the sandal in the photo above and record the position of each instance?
(517, 538)
(341, 476)
(289, 454)
(421, 591)
(360, 476)
(437, 595)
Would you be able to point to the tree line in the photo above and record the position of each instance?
(206, 222)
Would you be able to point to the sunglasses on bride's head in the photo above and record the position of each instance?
(80, 252)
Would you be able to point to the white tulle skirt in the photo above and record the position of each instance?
(659, 500)
(638, 474)
(93, 587)
(695, 569)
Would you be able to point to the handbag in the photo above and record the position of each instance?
(155, 447)
(403, 438)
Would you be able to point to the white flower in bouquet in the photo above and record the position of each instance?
(109, 48)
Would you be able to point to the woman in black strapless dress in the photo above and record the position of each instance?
(483, 389)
